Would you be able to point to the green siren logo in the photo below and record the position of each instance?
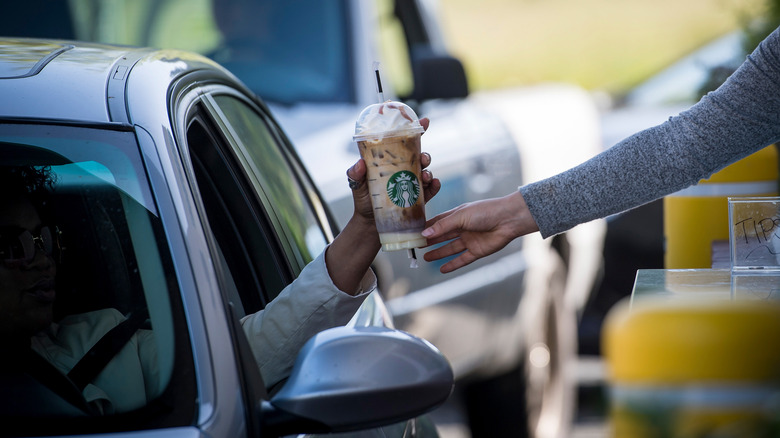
(403, 189)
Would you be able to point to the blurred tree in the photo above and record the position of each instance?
(755, 30)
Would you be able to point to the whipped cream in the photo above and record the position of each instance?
(386, 119)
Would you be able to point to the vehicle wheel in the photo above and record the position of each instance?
(493, 406)
(537, 397)
(550, 386)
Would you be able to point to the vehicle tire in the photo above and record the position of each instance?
(550, 384)
(536, 398)
(493, 406)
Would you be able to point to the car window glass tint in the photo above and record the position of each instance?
(273, 174)
(287, 51)
(82, 250)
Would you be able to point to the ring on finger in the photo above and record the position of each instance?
(353, 184)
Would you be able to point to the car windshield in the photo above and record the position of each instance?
(686, 80)
(82, 251)
(285, 51)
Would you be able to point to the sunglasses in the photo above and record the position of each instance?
(18, 246)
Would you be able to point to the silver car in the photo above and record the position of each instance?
(507, 321)
(158, 214)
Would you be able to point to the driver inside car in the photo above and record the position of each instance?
(326, 294)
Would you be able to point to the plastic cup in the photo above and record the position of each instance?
(388, 138)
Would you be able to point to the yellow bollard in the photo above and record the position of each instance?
(693, 368)
(696, 217)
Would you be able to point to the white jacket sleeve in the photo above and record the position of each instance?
(308, 305)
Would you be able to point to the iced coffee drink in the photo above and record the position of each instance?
(388, 137)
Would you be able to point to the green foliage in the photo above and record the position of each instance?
(757, 30)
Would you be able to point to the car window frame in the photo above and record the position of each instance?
(310, 195)
(252, 179)
(255, 280)
(255, 299)
(198, 89)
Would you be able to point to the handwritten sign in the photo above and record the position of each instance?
(754, 236)
(746, 284)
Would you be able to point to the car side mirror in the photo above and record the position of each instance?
(352, 378)
(437, 76)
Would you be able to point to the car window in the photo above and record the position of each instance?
(273, 174)
(80, 196)
(285, 51)
(246, 251)
(684, 81)
(265, 226)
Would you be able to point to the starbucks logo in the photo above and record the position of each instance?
(403, 189)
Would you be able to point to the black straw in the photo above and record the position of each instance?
(378, 81)
(379, 94)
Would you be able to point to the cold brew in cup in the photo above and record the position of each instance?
(388, 137)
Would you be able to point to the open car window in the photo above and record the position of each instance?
(99, 258)
(273, 172)
(262, 213)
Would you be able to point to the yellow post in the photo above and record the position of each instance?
(693, 368)
(696, 217)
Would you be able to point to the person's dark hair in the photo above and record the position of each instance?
(32, 182)
(26, 180)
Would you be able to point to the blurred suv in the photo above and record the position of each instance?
(507, 322)
(161, 215)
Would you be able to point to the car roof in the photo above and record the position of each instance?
(77, 81)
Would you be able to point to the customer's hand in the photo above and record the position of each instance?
(354, 249)
(477, 229)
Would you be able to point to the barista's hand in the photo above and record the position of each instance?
(361, 196)
(478, 229)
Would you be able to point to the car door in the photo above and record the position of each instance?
(266, 218)
(261, 225)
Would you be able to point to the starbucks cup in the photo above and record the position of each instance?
(388, 138)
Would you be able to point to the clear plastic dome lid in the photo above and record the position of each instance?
(386, 119)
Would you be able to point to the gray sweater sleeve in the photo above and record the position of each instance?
(737, 119)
